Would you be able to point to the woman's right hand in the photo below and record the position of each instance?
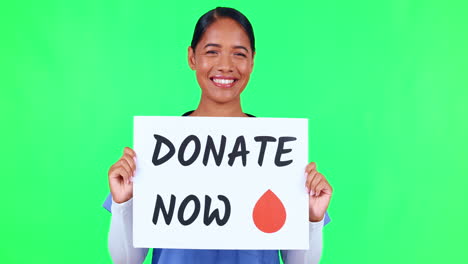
(121, 176)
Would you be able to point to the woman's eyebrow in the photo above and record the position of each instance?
(212, 45)
(241, 47)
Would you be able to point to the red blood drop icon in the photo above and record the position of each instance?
(269, 213)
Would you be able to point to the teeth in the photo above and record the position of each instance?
(223, 81)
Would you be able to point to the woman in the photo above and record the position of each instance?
(222, 55)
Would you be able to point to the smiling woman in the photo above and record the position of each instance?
(222, 55)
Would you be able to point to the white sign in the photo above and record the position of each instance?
(220, 183)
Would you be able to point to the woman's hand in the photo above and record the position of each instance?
(319, 191)
(121, 176)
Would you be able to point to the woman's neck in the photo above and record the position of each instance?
(207, 107)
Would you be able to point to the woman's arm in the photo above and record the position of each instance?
(121, 235)
(311, 256)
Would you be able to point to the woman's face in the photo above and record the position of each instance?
(223, 61)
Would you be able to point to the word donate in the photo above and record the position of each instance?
(220, 183)
(239, 150)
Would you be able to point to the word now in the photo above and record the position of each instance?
(239, 150)
(207, 216)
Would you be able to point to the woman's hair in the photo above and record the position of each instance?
(222, 12)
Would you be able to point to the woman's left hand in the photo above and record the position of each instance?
(319, 191)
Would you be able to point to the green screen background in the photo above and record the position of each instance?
(384, 84)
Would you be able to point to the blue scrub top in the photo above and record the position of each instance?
(204, 256)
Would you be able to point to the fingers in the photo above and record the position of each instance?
(124, 173)
(311, 166)
(310, 177)
(322, 186)
(314, 182)
(309, 174)
(128, 170)
(125, 167)
(130, 152)
(130, 161)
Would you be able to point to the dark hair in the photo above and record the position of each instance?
(219, 12)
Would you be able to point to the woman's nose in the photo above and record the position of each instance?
(225, 63)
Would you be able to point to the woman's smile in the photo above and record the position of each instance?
(223, 81)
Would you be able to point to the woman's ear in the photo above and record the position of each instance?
(191, 58)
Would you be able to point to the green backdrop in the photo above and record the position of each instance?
(384, 84)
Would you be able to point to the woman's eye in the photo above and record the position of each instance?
(211, 52)
(240, 54)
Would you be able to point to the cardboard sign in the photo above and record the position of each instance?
(220, 183)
